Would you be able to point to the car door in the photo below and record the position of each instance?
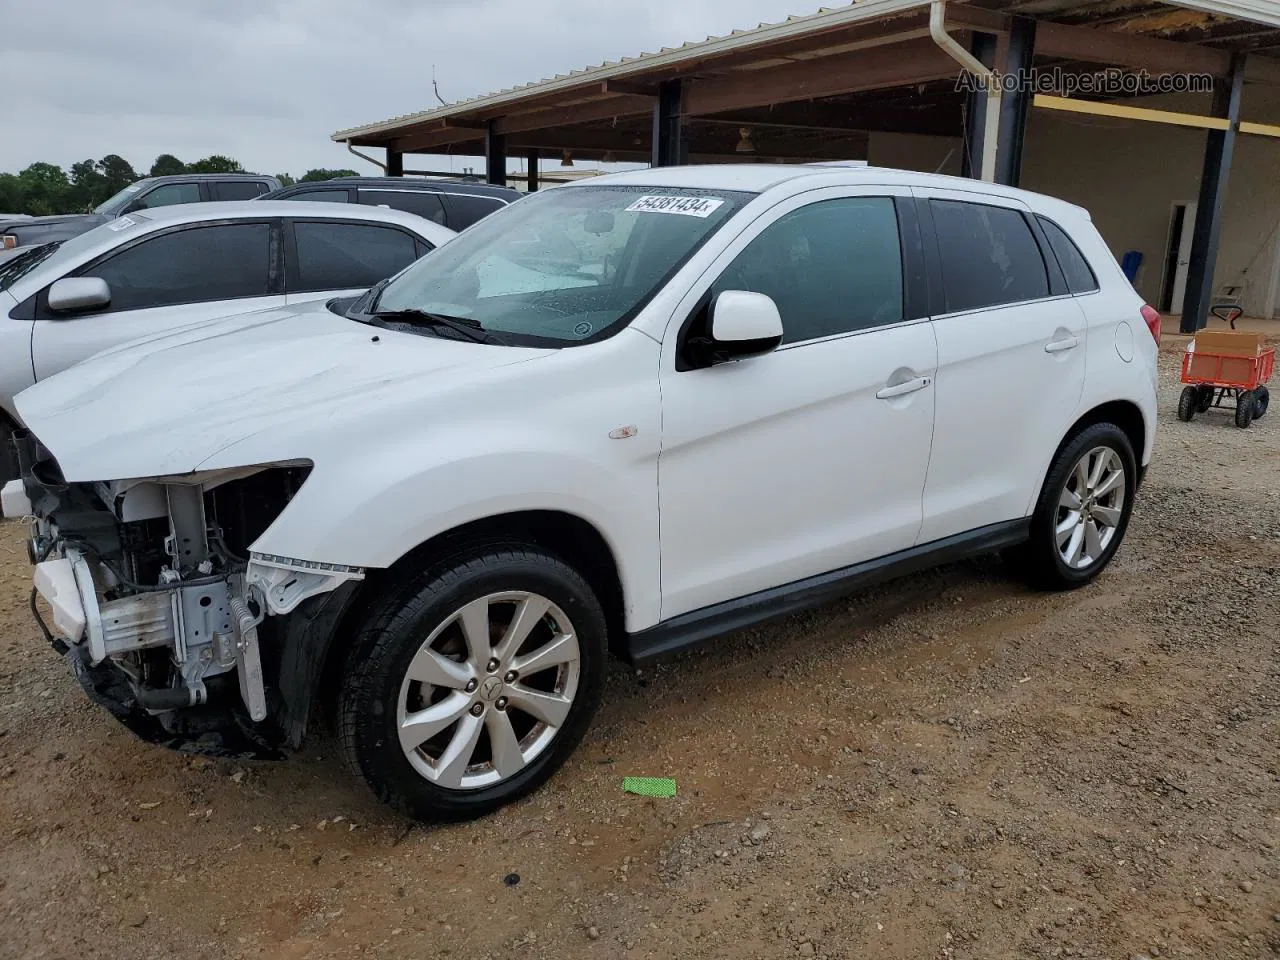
(812, 457)
(162, 282)
(330, 258)
(1011, 360)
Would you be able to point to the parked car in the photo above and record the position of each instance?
(150, 273)
(615, 418)
(456, 204)
(144, 194)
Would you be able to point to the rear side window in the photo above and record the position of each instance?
(426, 205)
(195, 265)
(1075, 267)
(238, 189)
(321, 196)
(831, 267)
(338, 256)
(463, 210)
(168, 194)
(989, 256)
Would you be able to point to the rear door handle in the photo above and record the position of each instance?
(902, 389)
(1057, 346)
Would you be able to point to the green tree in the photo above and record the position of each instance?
(167, 165)
(215, 164)
(12, 199)
(117, 172)
(322, 174)
(88, 187)
(46, 189)
(285, 180)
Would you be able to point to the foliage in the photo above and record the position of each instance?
(321, 174)
(44, 188)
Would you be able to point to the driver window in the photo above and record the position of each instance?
(832, 267)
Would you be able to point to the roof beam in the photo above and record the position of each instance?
(915, 61)
(1126, 50)
(625, 106)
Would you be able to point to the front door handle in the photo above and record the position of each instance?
(1066, 343)
(902, 389)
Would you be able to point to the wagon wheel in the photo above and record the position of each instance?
(1244, 409)
(1204, 398)
(1261, 398)
(1188, 403)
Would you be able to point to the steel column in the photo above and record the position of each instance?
(1219, 146)
(495, 156)
(533, 170)
(395, 162)
(1016, 104)
(669, 148)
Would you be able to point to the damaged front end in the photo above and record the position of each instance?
(159, 604)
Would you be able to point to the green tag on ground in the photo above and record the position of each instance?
(650, 786)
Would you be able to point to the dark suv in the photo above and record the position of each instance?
(455, 204)
(140, 195)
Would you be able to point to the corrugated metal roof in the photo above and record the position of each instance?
(826, 17)
(1266, 12)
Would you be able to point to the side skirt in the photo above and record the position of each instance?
(697, 626)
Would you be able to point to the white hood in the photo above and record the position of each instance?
(167, 405)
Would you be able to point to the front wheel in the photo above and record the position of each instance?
(1244, 409)
(469, 688)
(1083, 510)
(1188, 404)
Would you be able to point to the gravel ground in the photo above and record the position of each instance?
(950, 767)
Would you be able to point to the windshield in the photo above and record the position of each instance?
(117, 203)
(564, 265)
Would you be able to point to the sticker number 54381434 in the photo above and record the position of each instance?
(701, 207)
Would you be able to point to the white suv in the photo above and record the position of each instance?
(614, 418)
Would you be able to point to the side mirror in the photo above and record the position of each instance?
(743, 324)
(79, 293)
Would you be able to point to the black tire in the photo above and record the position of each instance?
(1043, 565)
(1188, 404)
(1261, 400)
(1244, 409)
(391, 636)
(1204, 398)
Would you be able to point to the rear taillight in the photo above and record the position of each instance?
(1152, 316)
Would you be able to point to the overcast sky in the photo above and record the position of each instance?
(267, 81)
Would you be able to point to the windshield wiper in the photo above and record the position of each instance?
(463, 326)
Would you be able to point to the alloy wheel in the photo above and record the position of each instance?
(488, 690)
(1090, 507)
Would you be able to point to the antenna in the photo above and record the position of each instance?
(436, 87)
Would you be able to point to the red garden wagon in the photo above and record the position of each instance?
(1220, 364)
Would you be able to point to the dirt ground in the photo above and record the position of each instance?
(951, 767)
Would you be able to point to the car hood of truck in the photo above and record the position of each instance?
(265, 381)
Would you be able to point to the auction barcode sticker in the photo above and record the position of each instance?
(700, 207)
(121, 223)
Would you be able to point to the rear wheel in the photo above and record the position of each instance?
(1084, 509)
(1261, 400)
(1204, 398)
(1244, 409)
(471, 686)
(1188, 404)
